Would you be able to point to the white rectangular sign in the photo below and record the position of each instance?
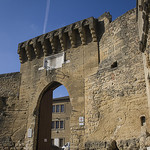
(81, 124)
(56, 142)
(81, 119)
(29, 133)
(54, 61)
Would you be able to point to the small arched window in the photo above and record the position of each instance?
(143, 120)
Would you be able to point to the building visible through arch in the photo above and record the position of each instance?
(61, 121)
(52, 119)
(104, 66)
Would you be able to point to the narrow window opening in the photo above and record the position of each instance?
(57, 108)
(61, 124)
(57, 124)
(62, 108)
(143, 120)
(114, 65)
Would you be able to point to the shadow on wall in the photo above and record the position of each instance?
(2, 107)
(2, 103)
(55, 147)
(101, 28)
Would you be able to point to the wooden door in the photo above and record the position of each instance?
(45, 119)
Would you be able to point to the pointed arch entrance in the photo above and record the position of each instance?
(44, 118)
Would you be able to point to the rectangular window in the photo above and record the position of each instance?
(61, 142)
(52, 124)
(57, 108)
(62, 108)
(57, 124)
(53, 110)
(61, 124)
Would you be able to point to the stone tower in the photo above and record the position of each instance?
(104, 65)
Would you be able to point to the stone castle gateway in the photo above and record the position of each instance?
(105, 67)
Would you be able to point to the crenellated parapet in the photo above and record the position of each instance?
(71, 36)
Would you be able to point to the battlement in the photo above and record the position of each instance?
(71, 36)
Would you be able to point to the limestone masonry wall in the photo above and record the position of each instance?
(104, 66)
(116, 95)
(81, 60)
(10, 113)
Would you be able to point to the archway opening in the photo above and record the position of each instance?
(54, 117)
(60, 91)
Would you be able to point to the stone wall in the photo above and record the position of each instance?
(116, 95)
(81, 60)
(10, 112)
(104, 75)
(34, 82)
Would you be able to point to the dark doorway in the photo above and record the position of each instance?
(45, 115)
(45, 118)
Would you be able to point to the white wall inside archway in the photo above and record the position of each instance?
(61, 91)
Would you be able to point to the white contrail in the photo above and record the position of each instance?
(46, 16)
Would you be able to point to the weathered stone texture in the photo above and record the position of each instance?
(116, 96)
(132, 144)
(103, 71)
(71, 75)
(11, 116)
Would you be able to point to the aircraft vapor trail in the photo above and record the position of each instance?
(46, 15)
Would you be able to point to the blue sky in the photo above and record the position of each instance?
(61, 91)
(24, 19)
